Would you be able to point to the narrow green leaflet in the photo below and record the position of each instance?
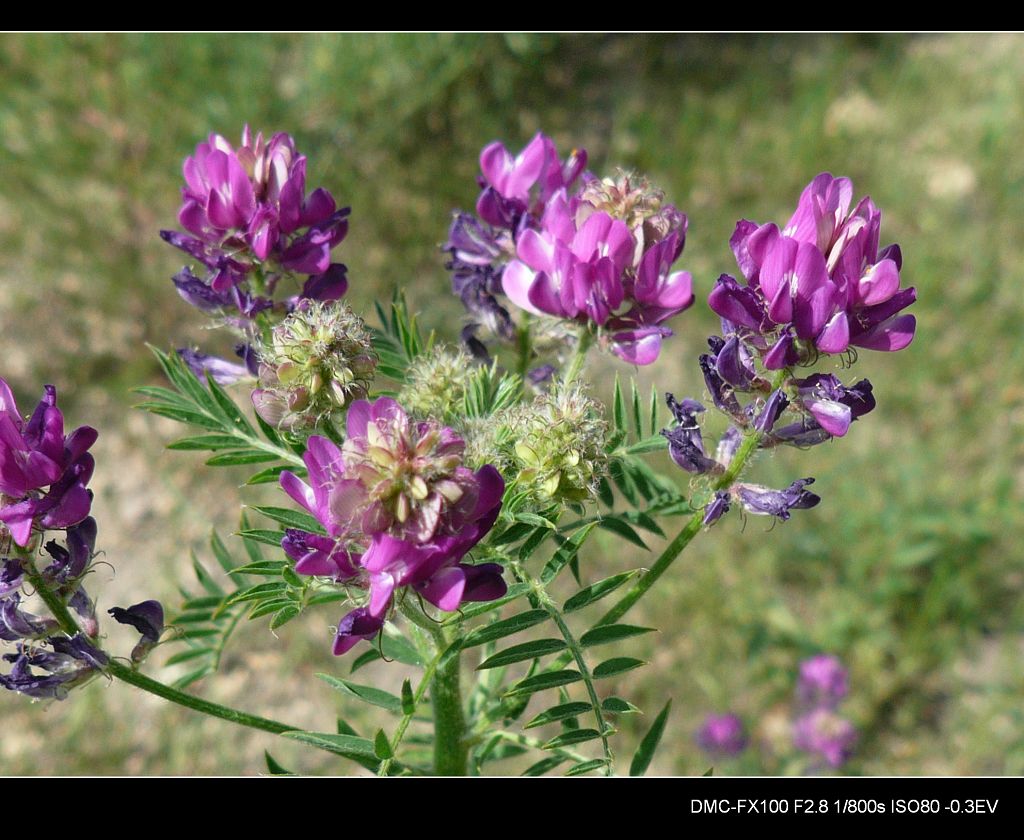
(649, 744)
(505, 627)
(573, 736)
(608, 633)
(566, 553)
(618, 706)
(368, 694)
(273, 767)
(542, 681)
(381, 745)
(586, 767)
(597, 591)
(408, 699)
(616, 666)
(291, 518)
(349, 746)
(545, 765)
(620, 528)
(519, 653)
(557, 713)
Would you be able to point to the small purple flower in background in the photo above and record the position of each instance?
(823, 682)
(819, 285)
(400, 510)
(826, 736)
(36, 454)
(722, 736)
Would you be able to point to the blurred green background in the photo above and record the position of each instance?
(911, 568)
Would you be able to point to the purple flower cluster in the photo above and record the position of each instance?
(819, 285)
(600, 254)
(722, 736)
(399, 510)
(251, 225)
(43, 472)
(822, 685)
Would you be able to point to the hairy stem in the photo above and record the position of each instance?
(451, 750)
(747, 448)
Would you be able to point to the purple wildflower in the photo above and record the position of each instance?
(35, 455)
(722, 736)
(765, 501)
(826, 736)
(685, 444)
(820, 281)
(246, 208)
(71, 662)
(716, 508)
(823, 682)
(400, 510)
(146, 617)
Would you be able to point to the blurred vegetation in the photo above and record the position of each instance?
(910, 570)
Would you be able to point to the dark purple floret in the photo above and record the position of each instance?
(717, 508)
(721, 391)
(16, 624)
(146, 617)
(685, 444)
(768, 502)
(11, 576)
(773, 408)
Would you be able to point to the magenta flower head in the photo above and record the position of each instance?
(818, 285)
(43, 473)
(722, 736)
(400, 510)
(588, 271)
(246, 208)
(823, 682)
(828, 737)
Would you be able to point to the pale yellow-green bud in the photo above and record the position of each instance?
(436, 383)
(316, 363)
(554, 447)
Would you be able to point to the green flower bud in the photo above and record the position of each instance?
(315, 364)
(436, 383)
(555, 446)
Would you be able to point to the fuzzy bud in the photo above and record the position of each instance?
(317, 362)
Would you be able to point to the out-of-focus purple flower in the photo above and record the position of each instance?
(722, 736)
(398, 488)
(17, 624)
(685, 444)
(35, 454)
(826, 736)
(222, 372)
(765, 501)
(823, 682)
(820, 281)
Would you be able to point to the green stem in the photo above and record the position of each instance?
(122, 672)
(736, 466)
(577, 654)
(451, 750)
(523, 350)
(579, 357)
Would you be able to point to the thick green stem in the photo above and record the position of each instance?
(736, 466)
(451, 750)
(579, 357)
